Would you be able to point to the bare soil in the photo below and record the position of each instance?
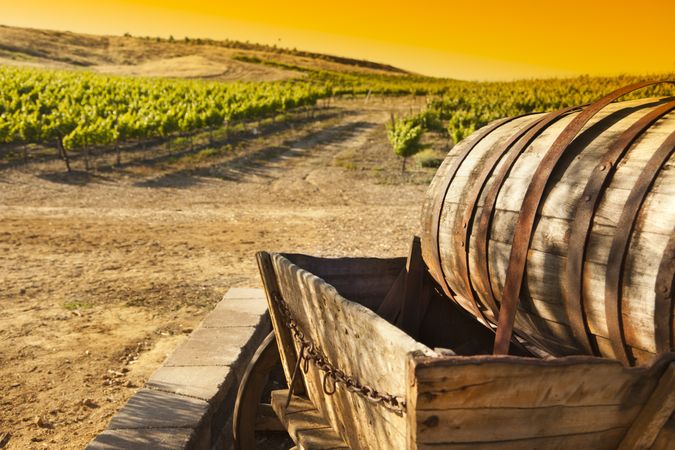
(104, 273)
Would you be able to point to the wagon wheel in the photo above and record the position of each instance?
(252, 410)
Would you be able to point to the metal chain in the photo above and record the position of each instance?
(332, 375)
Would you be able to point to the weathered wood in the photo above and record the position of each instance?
(363, 280)
(666, 437)
(390, 308)
(597, 440)
(284, 339)
(459, 402)
(655, 413)
(267, 420)
(249, 413)
(482, 381)
(508, 424)
(544, 292)
(510, 402)
(446, 325)
(417, 291)
(358, 342)
(407, 301)
(304, 423)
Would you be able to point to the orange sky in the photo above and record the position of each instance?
(479, 39)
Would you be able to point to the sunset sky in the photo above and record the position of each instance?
(479, 39)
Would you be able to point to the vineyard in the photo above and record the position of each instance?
(460, 108)
(74, 111)
(186, 158)
(78, 110)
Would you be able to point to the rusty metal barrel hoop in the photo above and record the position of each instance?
(619, 248)
(585, 212)
(533, 196)
(490, 201)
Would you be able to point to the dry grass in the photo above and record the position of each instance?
(126, 55)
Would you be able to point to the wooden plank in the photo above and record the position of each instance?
(597, 440)
(499, 424)
(545, 286)
(358, 342)
(417, 291)
(283, 336)
(561, 199)
(642, 357)
(552, 235)
(484, 381)
(666, 437)
(308, 429)
(656, 412)
(363, 280)
(266, 419)
(481, 399)
(390, 308)
(449, 326)
(543, 282)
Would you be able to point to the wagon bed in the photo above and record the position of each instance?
(366, 384)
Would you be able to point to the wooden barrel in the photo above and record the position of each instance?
(559, 227)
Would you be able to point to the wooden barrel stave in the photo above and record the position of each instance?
(544, 285)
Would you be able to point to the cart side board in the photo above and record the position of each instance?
(510, 402)
(357, 341)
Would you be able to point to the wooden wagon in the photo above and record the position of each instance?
(363, 383)
(492, 344)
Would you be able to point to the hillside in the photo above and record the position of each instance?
(149, 56)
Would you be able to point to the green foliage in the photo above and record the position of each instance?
(468, 106)
(84, 109)
(404, 135)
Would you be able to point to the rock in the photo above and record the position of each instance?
(129, 384)
(4, 439)
(89, 403)
(43, 423)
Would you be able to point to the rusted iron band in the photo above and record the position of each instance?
(581, 227)
(463, 236)
(663, 309)
(619, 248)
(525, 224)
(435, 266)
(490, 202)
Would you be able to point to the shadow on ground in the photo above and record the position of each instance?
(256, 163)
(73, 178)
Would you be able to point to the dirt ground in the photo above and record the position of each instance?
(103, 274)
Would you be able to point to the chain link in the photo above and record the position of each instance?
(331, 375)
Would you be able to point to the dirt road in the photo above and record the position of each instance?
(104, 274)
